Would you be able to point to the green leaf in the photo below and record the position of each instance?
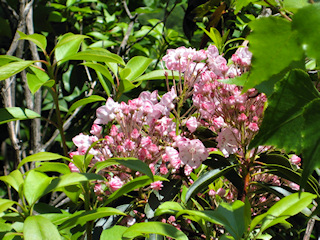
(126, 86)
(37, 39)
(137, 65)
(307, 23)
(53, 167)
(35, 185)
(13, 68)
(39, 228)
(204, 180)
(81, 217)
(14, 179)
(310, 140)
(5, 59)
(5, 204)
(282, 123)
(294, 5)
(239, 4)
(73, 178)
(85, 101)
(42, 156)
(36, 79)
(98, 55)
(132, 163)
(274, 47)
(136, 183)
(114, 233)
(15, 113)
(168, 208)
(164, 229)
(101, 69)
(285, 208)
(158, 75)
(68, 45)
(234, 217)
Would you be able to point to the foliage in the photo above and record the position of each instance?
(220, 142)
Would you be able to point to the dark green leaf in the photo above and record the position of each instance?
(283, 121)
(136, 183)
(285, 208)
(204, 180)
(13, 68)
(101, 69)
(15, 113)
(294, 5)
(274, 47)
(307, 23)
(39, 228)
(85, 101)
(81, 217)
(53, 167)
(114, 233)
(141, 229)
(168, 208)
(42, 156)
(310, 140)
(98, 55)
(36, 79)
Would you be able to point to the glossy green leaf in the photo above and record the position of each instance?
(294, 5)
(164, 229)
(114, 233)
(39, 228)
(42, 156)
(53, 167)
(13, 68)
(132, 163)
(307, 23)
(81, 217)
(310, 140)
(35, 185)
(73, 178)
(68, 45)
(5, 59)
(126, 86)
(5, 204)
(204, 180)
(168, 207)
(101, 69)
(138, 66)
(98, 55)
(234, 217)
(85, 101)
(136, 183)
(283, 122)
(37, 39)
(14, 179)
(238, 5)
(15, 113)
(274, 47)
(283, 209)
(36, 78)
(157, 74)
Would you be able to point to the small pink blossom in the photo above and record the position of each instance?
(212, 193)
(96, 130)
(221, 192)
(115, 183)
(253, 127)
(173, 156)
(156, 185)
(228, 141)
(73, 168)
(192, 124)
(106, 113)
(295, 159)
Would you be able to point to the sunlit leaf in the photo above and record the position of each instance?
(39, 228)
(42, 156)
(85, 101)
(37, 39)
(15, 113)
(13, 68)
(14, 179)
(164, 229)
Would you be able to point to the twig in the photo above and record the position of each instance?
(310, 226)
(276, 9)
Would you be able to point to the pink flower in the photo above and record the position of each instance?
(96, 130)
(73, 168)
(242, 56)
(253, 126)
(167, 99)
(156, 185)
(115, 183)
(173, 156)
(192, 124)
(295, 159)
(221, 192)
(192, 152)
(106, 113)
(228, 141)
(163, 169)
(83, 142)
